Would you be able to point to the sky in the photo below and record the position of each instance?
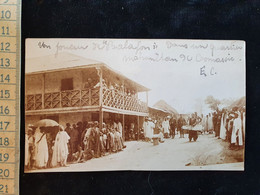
(181, 72)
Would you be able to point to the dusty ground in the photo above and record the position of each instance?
(208, 153)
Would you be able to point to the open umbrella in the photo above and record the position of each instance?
(46, 123)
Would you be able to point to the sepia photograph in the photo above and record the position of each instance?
(134, 104)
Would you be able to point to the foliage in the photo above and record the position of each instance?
(213, 103)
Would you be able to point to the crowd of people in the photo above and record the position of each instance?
(228, 125)
(46, 148)
(114, 87)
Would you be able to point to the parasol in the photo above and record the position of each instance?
(46, 123)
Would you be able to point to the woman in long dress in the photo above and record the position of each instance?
(60, 149)
(41, 149)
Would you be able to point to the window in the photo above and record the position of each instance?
(67, 84)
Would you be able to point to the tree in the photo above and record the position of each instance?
(212, 102)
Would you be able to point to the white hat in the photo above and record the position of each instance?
(61, 127)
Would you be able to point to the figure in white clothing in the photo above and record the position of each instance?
(151, 127)
(120, 127)
(60, 149)
(244, 125)
(41, 149)
(26, 151)
(145, 127)
(237, 131)
(210, 124)
(166, 127)
(203, 123)
(223, 130)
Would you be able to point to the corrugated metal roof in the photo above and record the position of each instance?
(56, 62)
(65, 61)
(158, 109)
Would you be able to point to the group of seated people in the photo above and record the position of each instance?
(114, 87)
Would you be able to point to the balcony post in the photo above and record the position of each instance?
(123, 109)
(123, 127)
(43, 89)
(138, 127)
(146, 98)
(99, 70)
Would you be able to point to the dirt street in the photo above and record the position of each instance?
(207, 153)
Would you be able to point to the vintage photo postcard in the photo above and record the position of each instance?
(134, 104)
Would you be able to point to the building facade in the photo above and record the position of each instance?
(69, 88)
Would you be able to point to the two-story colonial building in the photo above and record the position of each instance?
(69, 88)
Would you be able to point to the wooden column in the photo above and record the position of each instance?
(138, 128)
(147, 98)
(43, 89)
(123, 109)
(100, 97)
(123, 127)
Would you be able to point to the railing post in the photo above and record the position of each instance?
(100, 97)
(89, 95)
(147, 98)
(34, 102)
(60, 99)
(43, 90)
(138, 127)
(80, 96)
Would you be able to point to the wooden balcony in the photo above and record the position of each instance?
(84, 98)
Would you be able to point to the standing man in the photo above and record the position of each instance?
(180, 123)
(166, 127)
(236, 136)
(145, 127)
(74, 138)
(151, 127)
(192, 133)
(173, 124)
(218, 123)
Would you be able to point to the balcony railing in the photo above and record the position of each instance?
(85, 97)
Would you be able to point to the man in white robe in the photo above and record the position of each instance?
(145, 127)
(120, 128)
(223, 130)
(237, 131)
(41, 149)
(60, 149)
(26, 151)
(166, 127)
(203, 123)
(244, 125)
(151, 127)
(210, 124)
